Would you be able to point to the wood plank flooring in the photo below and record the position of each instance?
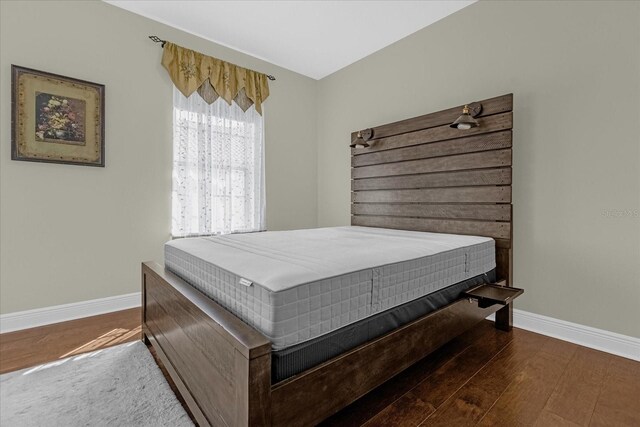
(484, 377)
(491, 378)
(31, 347)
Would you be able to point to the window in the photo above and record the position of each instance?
(218, 167)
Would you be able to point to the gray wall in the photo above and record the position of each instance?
(73, 233)
(574, 69)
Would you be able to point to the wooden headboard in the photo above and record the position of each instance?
(420, 174)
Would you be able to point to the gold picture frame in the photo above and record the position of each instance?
(56, 119)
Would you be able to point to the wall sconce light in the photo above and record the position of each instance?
(467, 120)
(362, 136)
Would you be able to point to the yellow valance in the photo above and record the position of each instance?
(192, 71)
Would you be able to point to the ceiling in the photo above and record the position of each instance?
(313, 38)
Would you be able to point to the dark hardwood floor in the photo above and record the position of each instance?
(484, 377)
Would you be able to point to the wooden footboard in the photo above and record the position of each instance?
(222, 366)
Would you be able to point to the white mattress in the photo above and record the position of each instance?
(297, 285)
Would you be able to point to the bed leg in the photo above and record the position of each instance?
(145, 339)
(143, 310)
(253, 396)
(504, 318)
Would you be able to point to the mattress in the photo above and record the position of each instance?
(292, 360)
(295, 286)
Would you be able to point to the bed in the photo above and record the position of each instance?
(287, 328)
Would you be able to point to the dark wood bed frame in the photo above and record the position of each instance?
(418, 174)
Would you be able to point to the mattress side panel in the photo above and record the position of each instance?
(298, 358)
(401, 282)
(314, 309)
(287, 317)
(252, 304)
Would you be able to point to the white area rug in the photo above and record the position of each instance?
(118, 386)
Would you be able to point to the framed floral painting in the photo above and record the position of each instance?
(56, 119)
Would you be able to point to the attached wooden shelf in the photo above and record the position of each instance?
(491, 294)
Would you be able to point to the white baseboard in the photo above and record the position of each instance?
(598, 339)
(60, 313)
(609, 342)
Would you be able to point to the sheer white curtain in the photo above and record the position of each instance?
(218, 167)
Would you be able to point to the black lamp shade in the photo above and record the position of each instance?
(359, 142)
(465, 121)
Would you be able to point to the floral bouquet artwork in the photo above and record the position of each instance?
(56, 119)
(60, 119)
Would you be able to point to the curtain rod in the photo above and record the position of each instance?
(157, 39)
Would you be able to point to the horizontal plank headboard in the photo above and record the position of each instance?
(420, 174)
